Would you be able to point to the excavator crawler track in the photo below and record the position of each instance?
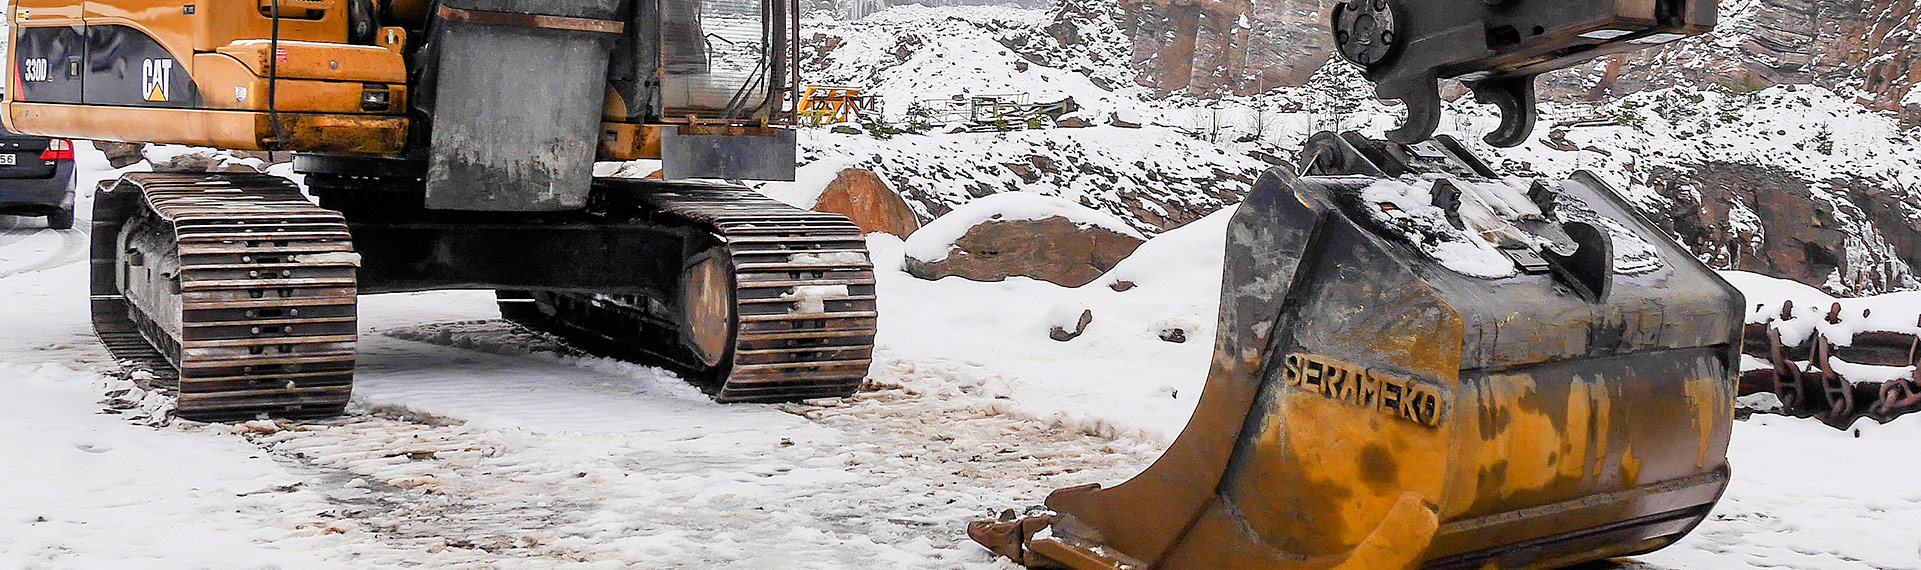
(780, 308)
(232, 291)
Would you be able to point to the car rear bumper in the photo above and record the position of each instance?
(38, 196)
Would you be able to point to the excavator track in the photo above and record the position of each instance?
(780, 308)
(230, 290)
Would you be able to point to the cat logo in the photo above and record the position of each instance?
(156, 75)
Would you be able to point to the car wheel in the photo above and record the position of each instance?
(60, 220)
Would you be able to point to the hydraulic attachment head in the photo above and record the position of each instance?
(1496, 47)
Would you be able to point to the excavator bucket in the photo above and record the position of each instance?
(1421, 364)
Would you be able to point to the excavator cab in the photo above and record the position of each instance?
(1422, 364)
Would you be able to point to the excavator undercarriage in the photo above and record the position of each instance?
(448, 144)
(238, 293)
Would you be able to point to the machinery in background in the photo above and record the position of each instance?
(831, 105)
(990, 113)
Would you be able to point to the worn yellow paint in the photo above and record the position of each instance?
(1712, 402)
(1400, 538)
(1355, 477)
(1520, 444)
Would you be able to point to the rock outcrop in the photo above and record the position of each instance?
(1868, 47)
(1865, 47)
(1053, 249)
(1769, 221)
(1218, 46)
(120, 154)
(864, 198)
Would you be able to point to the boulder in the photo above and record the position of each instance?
(177, 159)
(120, 154)
(864, 198)
(1062, 331)
(1018, 233)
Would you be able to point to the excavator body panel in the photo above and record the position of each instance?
(504, 104)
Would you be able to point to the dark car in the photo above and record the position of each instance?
(36, 178)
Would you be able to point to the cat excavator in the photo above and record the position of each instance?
(448, 144)
(1420, 363)
(1423, 363)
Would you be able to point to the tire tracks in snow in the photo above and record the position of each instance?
(10, 230)
(890, 476)
(72, 249)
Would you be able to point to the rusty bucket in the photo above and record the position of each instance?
(1375, 403)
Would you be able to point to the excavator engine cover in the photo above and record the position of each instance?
(1421, 364)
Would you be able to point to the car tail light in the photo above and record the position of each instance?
(58, 149)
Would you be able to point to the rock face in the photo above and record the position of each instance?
(1813, 233)
(1867, 47)
(1243, 47)
(864, 198)
(1052, 249)
(1219, 46)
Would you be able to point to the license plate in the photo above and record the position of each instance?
(8, 159)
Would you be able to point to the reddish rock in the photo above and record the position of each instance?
(1055, 250)
(205, 160)
(1045, 164)
(1218, 46)
(1214, 47)
(864, 198)
(1026, 172)
(1804, 238)
(1080, 326)
(120, 154)
(1071, 123)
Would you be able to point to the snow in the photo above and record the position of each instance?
(473, 444)
(1118, 378)
(935, 240)
(1891, 312)
(87, 490)
(1811, 133)
(810, 181)
(1425, 225)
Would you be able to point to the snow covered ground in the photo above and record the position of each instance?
(474, 445)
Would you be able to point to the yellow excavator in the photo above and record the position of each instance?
(449, 144)
(1420, 363)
